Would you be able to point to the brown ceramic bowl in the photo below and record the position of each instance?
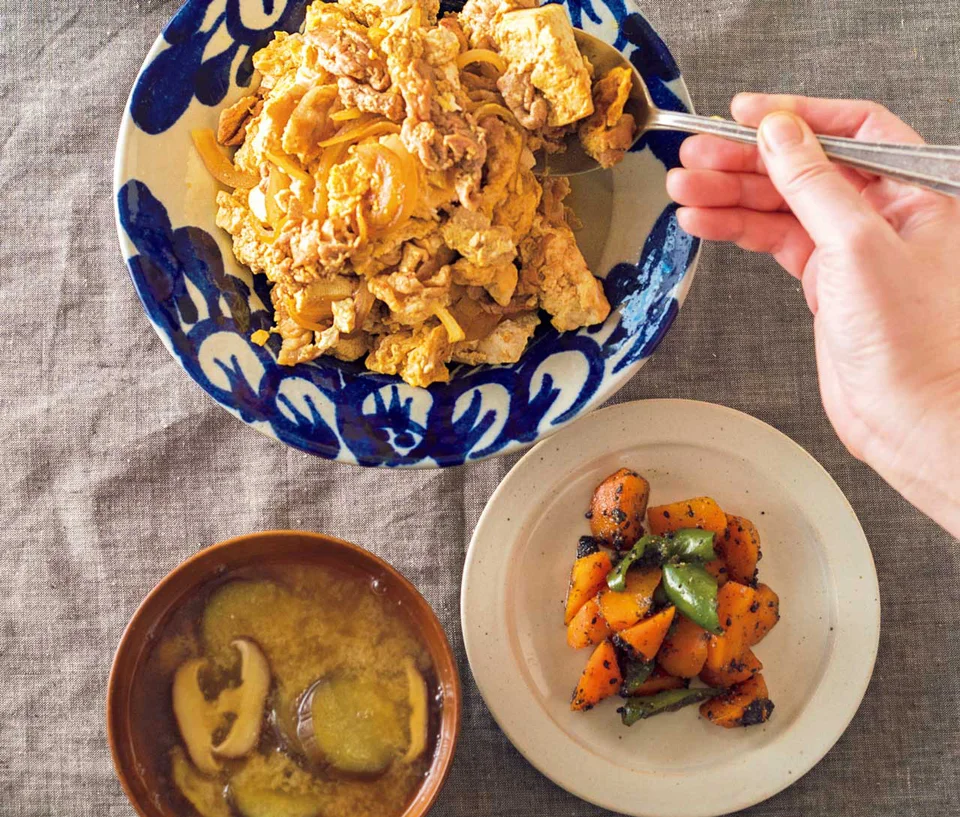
(139, 782)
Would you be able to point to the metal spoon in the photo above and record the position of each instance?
(933, 166)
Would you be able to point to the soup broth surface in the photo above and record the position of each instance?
(338, 736)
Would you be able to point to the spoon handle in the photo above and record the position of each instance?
(934, 166)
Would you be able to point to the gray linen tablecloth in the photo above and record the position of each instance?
(117, 466)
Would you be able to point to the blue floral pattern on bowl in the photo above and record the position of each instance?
(204, 306)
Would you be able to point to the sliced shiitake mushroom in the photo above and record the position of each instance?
(245, 701)
(204, 793)
(199, 718)
(196, 716)
(419, 712)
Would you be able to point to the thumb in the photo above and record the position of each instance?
(826, 204)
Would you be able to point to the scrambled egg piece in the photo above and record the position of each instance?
(539, 42)
(418, 355)
(383, 182)
(608, 133)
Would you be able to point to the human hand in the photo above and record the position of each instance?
(879, 262)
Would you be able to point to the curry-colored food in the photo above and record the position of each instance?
(288, 691)
(679, 604)
(383, 181)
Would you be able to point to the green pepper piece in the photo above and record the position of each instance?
(690, 545)
(694, 593)
(637, 709)
(617, 578)
(634, 674)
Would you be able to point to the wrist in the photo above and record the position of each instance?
(922, 463)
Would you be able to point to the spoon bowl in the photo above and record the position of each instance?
(936, 167)
(574, 160)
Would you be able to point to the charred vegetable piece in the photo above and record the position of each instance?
(587, 545)
(747, 704)
(205, 794)
(659, 681)
(718, 569)
(354, 727)
(660, 597)
(600, 679)
(694, 593)
(699, 512)
(640, 708)
(617, 508)
(635, 674)
(762, 615)
(740, 549)
(686, 545)
(587, 577)
(684, 650)
(626, 608)
(739, 670)
(588, 626)
(733, 606)
(643, 639)
(617, 578)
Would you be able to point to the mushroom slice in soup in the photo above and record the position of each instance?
(198, 718)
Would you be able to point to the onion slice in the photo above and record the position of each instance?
(365, 130)
(494, 109)
(454, 332)
(346, 115)
(290, 167)
(217, 163)
(482, 55)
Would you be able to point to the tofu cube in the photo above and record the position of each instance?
(540, 41)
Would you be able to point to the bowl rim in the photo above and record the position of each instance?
(611, 385)
(117, 721)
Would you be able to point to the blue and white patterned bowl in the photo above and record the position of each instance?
(204, 305)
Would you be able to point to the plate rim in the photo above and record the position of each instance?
(782, 778)
(612, 385)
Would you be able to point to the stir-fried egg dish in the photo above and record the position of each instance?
(383, 181)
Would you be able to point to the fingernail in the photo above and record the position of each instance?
(780, 131)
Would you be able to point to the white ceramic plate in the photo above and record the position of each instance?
(817, 661)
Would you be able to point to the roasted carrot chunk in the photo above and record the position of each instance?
(699, 512)
(617, 509)
(588, 627)
(763, 615)
(733, 606)
(746, 704)
(624, 609)
(659, 681)
(739, 670)
(718, 569)
(684, 650)
(643, 639)
(587, 577)
(739, 548)
(601, 678)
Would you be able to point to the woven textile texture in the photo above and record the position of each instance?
(117, 466)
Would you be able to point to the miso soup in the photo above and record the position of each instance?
(292, 690)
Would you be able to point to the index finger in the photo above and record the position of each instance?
(705, 152)
(855, 119)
